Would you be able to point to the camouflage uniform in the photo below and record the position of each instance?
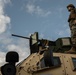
(72, 25)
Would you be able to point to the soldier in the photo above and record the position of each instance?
(72, 24)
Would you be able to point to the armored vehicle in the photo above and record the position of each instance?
(46, 58)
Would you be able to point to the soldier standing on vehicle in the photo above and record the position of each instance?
(72, 24)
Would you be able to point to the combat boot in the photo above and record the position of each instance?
(72, 50)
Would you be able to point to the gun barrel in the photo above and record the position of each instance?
(20, 36)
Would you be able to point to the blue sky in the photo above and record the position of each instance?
(23, 17)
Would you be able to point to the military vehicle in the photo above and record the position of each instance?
(46, 58)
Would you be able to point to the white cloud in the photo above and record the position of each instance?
(7, 43)
(34, 9)
(30, 8)
(4, 19)
(21, 47)
(4, 22)
(2, 58)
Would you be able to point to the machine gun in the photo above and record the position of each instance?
(33, 42)
(20, 36)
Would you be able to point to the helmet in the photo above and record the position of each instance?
(71, 5)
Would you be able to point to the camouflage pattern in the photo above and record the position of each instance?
(72, 25)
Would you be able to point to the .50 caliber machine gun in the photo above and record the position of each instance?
(33, 41)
